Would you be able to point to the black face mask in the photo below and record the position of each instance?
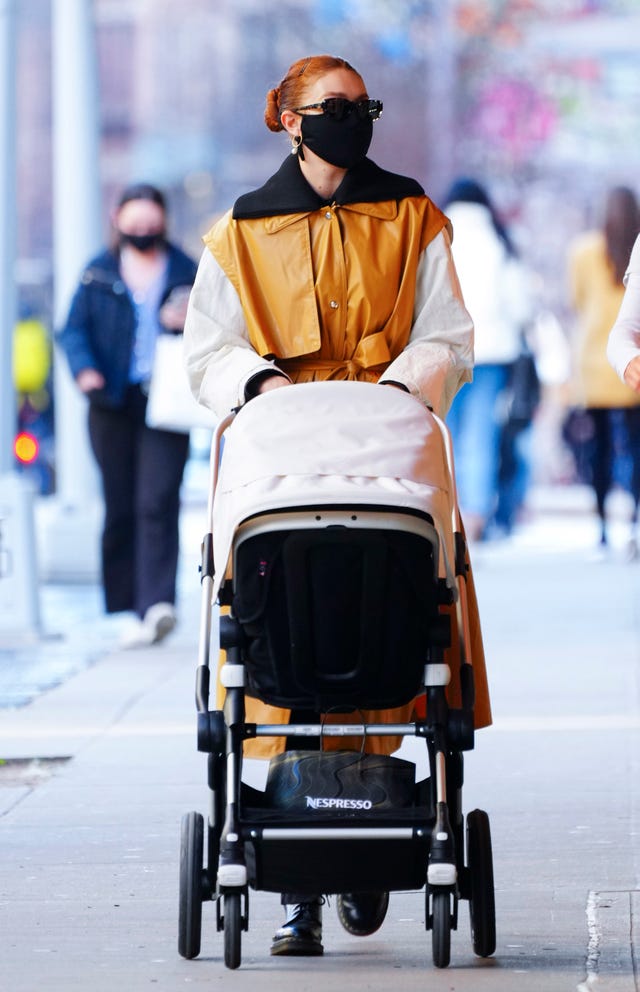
(342, 143)
(143, 242)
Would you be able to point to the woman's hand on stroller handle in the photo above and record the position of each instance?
(272, 381)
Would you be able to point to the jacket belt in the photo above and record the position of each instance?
(372, 351)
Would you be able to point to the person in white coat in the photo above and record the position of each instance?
(623, 352)
(623, 347)
(496, 294)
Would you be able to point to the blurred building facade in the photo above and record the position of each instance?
(537, 98)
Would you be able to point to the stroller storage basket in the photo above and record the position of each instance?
(280, 862)
(361, 815)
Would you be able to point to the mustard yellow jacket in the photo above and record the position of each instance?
(596, 300)
(362, 287)
(330, 291)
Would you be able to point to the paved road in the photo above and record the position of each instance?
(89, 841)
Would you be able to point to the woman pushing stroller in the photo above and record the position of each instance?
(335, 269)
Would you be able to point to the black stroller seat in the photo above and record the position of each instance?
(337, 616)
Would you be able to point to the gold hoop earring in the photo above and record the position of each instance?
(296, 142)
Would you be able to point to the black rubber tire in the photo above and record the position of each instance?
(191, 868)
(441, 928)
(482, 906)
(232, 929)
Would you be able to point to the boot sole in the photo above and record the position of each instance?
(297, 948)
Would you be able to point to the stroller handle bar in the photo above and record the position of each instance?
(204, 638)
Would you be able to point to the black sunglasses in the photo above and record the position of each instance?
(339, 108)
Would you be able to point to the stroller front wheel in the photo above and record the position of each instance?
(232, 929)
(441, 928)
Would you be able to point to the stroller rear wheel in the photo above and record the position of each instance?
(482, 908)
(232, 929)
(441, 927)
(191, 870)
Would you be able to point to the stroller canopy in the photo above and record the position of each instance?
(333, 443)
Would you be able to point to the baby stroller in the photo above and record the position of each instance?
(334, 539)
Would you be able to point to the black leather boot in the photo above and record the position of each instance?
(301, 932)
(362, 913)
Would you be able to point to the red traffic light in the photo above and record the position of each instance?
(26, 448)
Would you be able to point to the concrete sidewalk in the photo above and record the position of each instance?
(100, 769)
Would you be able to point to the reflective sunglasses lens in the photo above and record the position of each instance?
(374, 109)
(337, 107)
(368, 110)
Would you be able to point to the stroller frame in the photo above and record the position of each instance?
(427, 848)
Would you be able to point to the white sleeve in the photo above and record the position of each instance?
(218, 355)
(624, 339)
(438, 357)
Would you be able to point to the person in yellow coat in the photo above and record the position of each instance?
(598, 260)
(334, 269)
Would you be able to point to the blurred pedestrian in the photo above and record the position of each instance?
(123, 302)
(598, 260)
(496, 293)
(522, 399)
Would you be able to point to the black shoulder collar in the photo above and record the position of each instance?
(288, 192)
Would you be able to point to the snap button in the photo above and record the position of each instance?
(334, 304)
(328, 215)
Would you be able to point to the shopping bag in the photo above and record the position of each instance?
(523, 388)
(171, 405)
(339, 782)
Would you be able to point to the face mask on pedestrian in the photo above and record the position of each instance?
(342, 143)
(143, 242)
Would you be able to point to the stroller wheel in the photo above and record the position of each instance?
(191, 870)
(232, 929)
(441, 927)
(481, 896)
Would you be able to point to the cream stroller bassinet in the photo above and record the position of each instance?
(334, 539)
